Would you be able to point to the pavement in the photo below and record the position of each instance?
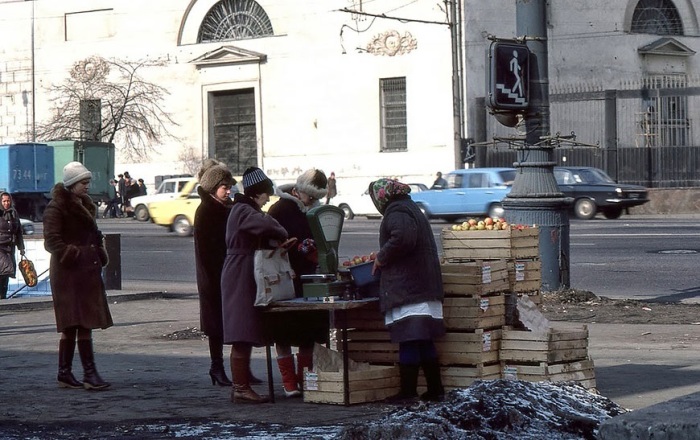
(160, 381)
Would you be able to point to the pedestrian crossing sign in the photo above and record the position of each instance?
(508, 76)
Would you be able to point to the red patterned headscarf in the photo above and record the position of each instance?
(382, 191)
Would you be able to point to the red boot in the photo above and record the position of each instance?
(289, 378)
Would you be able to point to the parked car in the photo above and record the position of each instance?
(594, 191)
(469, 192)
(361, 204)
(27, 226)
(168, 189)
(177, 214)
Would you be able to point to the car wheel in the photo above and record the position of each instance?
(141, 213)
(496, 211)
(585, 209)
(182, 226)
(612, 213)
(349, 215)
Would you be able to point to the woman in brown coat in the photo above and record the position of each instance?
(247, 229)
(77, 257)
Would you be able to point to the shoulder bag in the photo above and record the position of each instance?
(274, 275)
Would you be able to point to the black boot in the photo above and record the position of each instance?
(66, 348)
(217, 371)
(409, 383)
(436, 392)
(91, 379)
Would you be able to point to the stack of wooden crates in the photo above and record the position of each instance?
(550, 354)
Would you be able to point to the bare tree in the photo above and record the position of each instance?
(128, 108)
(191, 160)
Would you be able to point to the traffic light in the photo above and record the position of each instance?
(508, 76)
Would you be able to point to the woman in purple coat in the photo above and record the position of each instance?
(247, 229)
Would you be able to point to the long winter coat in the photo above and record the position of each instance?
(410, 270)
(10, 237)
(246, 228)
(296, 328)
(77, 257)
(209, 255)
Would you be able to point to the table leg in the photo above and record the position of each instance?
(344, 338)
(270, 383)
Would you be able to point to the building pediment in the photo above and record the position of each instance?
(228, 55)
(666, 46)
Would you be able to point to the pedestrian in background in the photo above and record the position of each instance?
(112, 209)
(121, 191)
(77, 257)
(248, 228)
(440, 182)
(332, 188)
(410, 287)
(142, 188)
(299, 329)
(10, 238)
(215, 182)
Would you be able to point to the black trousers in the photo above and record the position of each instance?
(4, 281)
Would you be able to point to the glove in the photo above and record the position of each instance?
(307, 246)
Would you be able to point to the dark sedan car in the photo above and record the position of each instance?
(594, 191)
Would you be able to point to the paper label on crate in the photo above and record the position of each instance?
(519, 271)
(484, 304)
(486, 274)
(486, 341)
(510, 373)
(310, 381)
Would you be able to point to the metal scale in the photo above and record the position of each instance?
(326, 222)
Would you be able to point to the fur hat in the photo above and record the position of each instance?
(213, 174)
(74, 172)
(314, 183)
(256, 182)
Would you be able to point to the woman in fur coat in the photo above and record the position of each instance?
(77, 257)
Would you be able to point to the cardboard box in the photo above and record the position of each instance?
(489, 245)
(377, 383)
(474, 277)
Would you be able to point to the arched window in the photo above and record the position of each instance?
(659, 17)
(234, 20)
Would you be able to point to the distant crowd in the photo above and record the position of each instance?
(122, 189)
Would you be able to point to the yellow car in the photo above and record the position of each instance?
(177, 214)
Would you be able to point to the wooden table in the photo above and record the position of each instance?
(339, 309)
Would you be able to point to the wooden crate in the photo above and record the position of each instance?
(489, 245)
(582, 372)
(368, 337)
(476, 312)
(377, 383)
(479, 347)
(552, 346)
(525, 275)
(474, 277)
(463, 376)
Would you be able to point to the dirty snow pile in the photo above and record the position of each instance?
(497, 409)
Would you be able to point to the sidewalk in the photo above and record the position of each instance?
(160, 380)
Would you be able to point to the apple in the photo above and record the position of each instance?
(347, 263)
(472, 222)
(372, 256)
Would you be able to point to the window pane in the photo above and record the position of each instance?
(393, 114)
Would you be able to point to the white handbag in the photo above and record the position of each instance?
(274, 276)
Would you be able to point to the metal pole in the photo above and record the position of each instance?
(535, 198)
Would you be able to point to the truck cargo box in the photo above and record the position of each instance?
(26, 168)
(98, 157)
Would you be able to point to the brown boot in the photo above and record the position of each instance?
(303, 361)
(289, 377)
(241, 392)
(91, 379)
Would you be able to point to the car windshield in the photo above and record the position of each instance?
(507, 177)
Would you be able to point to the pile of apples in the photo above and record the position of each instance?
(359, 259)
(487, 224)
